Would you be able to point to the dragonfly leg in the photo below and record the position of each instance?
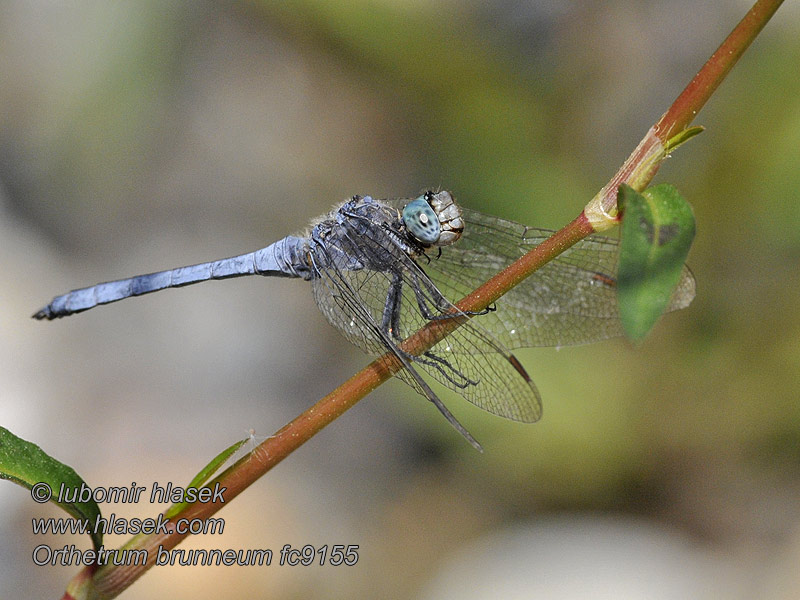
(390, 321)
(444, 367)
(440, 301)
(476, 313)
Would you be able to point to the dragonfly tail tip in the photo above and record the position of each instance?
(43, 314)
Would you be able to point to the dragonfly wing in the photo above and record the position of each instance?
(334, 295)
(570, 300)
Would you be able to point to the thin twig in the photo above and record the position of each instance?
(637, 171)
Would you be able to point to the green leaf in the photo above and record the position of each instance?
(205, 474)
(657, 231)
(28, 465)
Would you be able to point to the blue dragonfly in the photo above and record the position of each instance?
(382, 269)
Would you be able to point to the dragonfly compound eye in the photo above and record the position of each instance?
(421, 221)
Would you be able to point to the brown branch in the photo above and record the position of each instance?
(699, 90)
(637, 171)
(641, 166)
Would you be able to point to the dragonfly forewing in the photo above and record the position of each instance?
(569, 301)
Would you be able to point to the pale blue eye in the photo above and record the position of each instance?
(421, 221)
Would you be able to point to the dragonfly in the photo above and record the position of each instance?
(381, 270)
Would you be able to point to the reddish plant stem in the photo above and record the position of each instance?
(641, 166)
(714, 71)
(637, 171)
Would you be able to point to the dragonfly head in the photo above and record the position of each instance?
(434, 219)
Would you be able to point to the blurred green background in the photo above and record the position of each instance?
(141, 136)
